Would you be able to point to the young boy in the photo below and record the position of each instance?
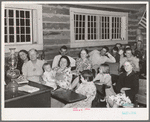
(49, 76)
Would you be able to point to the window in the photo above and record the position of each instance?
(95, 28)
(18, 26)
(23, 26)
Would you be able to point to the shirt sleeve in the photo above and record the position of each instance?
(110, 58)
(97, 77)
(72, 61)
(55, 62)
(25, 70)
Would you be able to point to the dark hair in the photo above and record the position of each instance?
(68, 61)
(45, 64)
(87, 75)
(117, 44)
(128, 45)
(128, 49)
(105, 47)
(82, 50)
(63, 47)
(106, 69)
(115, 49)
(20, 61)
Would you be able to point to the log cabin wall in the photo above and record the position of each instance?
(56, 28)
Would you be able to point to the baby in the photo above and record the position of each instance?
(49, 76)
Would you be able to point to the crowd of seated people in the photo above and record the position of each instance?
(62, 74)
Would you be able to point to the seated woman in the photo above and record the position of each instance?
(83, 63)
(63, 75)
(128, 82)
(87, 88)
(23, 58)
(32, 70)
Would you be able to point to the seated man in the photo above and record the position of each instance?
(32, 70)
(97, 58)
(63, 51)
(130, 57)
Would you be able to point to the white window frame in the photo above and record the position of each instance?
(37, 26)
(99, 42)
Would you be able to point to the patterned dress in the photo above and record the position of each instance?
(82, 65)
(89, 90)
(63, 78)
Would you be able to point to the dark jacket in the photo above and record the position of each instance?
(130, 81)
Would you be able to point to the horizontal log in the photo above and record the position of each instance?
(56, 41)
(56, 35)
(132, 22)
(54, 18)
(55, 10)
(131, 32)
(57, 26)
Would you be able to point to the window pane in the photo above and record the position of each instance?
(83, 30)
(83, 24)
(76, 37)
(76, 30)
(5, 13)
(22, 30)
(11, 38)
(27, 38)
(91, 18)
(27, 30)
(22, 22)
(11, 13)
(11, 22)
(88, 18)
(76, 24)
(91, 30)
(83, 37)
(27, 22)
(92, 36)
(83, 17)
(91, 24)
(11, 30)
(17, 13)
(5, 38)
(5, 21)
(17, 22)
(79, 36)
(89, 36)
(27, 14)
(5, 30)
(22, 38)
(18, 38)
(17, 30)
(76, 17)
(22, 14)
(88, 30)
(80, 24)
(80, 30)
(80, 17)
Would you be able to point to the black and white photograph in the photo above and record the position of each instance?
(68, 60)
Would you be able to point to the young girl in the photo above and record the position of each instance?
(49, 76)
(104, 78)
(87, 88)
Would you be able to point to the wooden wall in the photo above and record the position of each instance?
(56, 28)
